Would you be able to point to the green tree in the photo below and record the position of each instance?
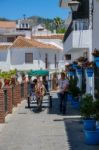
(57, 22)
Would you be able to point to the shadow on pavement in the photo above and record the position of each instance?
(34, 108)
(74, 133)
(55, 109)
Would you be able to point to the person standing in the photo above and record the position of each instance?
(63, 85)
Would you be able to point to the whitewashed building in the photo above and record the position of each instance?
(82, 34)
(26, 54)
(40, 30)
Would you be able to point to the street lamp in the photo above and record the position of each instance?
(74, 5)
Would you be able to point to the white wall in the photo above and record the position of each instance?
(18, 58)
(96, 25)
(78, 39)
(4, 60)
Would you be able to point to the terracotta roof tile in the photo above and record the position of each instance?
(7, 24)
(22, 42)
(56, 36)
(4, 47)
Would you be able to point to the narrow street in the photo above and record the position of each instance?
(27, 129)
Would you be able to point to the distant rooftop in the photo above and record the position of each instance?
(7, 24)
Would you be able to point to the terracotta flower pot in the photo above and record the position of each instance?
(0, 84)
(7, 81)
(13, 80)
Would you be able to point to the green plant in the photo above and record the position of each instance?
(57, 22)
(73, 87)
(87, 106)
(95, 52)
(96, 109)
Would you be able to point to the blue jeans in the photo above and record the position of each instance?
(63, 101)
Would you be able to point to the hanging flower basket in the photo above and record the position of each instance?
(79, 71)
(96, 56)
(74, 65)
(96, 59)
(90, 72)
(71, 73)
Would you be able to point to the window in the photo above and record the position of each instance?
(46, 61)
(22, 25)
(68, 57)
(28, 57)
(27, 25)
(10, 39)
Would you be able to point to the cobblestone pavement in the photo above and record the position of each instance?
(28, 129)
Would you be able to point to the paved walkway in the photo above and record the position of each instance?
(28, 129)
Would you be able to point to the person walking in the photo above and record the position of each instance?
(63, 84)
(40, 92)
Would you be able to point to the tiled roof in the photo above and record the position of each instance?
(56, 36)
(22, 42)
(3, 47)
(7, 24)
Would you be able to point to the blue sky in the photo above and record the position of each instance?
(14, 9)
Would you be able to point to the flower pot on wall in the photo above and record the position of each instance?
(0, 84)
(7, 81)
(79, 71)
(96, 59)
(71, 73)
(13, 81)
(90, 72)
(74, 66)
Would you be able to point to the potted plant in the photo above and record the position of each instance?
(87, 112)
(96, 108)
(75, 92)
(91, 133)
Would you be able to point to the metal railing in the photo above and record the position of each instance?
(12, 95)
(5, 100)
(81, 24)
(22, 90)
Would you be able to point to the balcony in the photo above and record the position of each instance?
(78, 35)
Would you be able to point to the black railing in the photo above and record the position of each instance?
(5, 100)
(22, 90)
(68, 31)
(28, 88)
(12, 95)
